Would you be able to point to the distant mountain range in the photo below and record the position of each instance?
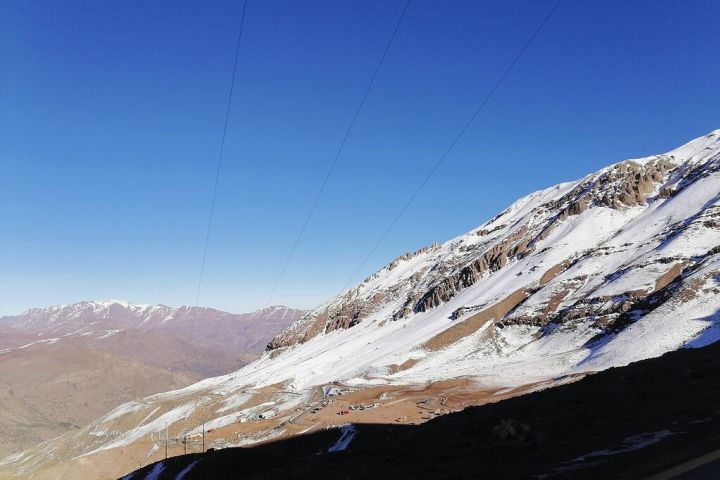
(62, 366)
(244, 331)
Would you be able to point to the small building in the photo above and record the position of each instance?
(266, 414)
(331, 391)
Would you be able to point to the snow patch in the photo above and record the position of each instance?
(156, 471)
(183, 473)
(347, 434)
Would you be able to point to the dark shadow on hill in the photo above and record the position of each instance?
(623, 423)
(595, 346)
(680, 227)
(711, 334)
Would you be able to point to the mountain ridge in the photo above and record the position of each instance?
(624, 184)
(52, 313)
(205, 325)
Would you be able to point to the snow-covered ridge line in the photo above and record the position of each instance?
(425, 278)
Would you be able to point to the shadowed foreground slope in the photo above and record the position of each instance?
(623, 423)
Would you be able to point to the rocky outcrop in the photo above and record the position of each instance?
(409, 255)
(626, 184)
(345, 314)
(634, 183)
(611, 314)
(491, 260)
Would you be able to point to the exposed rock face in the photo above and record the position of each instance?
(434, 275)
(492, 260)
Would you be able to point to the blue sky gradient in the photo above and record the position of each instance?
(111, 116)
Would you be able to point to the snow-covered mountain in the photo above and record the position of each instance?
(621, 265)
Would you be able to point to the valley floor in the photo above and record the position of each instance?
(625, 423)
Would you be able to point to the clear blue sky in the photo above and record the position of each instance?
(111, 115)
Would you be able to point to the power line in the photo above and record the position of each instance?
(454, 142)
(217, 179)
(337, 154)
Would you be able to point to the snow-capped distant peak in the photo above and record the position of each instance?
(120, 314)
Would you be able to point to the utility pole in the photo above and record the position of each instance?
(203, 445)
(185, 442)
(166, 440)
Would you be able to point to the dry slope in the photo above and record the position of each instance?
(63, 366)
